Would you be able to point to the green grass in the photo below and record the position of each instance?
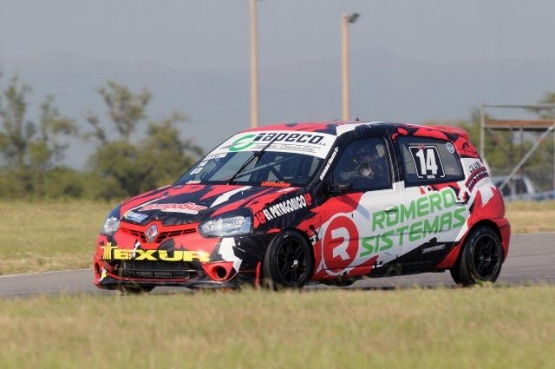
(57, 235)
(435, 328)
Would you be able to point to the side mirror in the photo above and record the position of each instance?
(337, 188)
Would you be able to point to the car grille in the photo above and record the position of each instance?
(162, 236)
(157, 270)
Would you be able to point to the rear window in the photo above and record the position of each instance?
(429, 160)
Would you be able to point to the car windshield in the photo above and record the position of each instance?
(267, 162)
(267, 168)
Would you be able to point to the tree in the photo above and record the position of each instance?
(30, 149)
(126, 167)
(125, 110)
(166, 155)
(545, 113)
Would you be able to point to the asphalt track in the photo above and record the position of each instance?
(531, 260)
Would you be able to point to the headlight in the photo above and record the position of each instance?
(111, 223)
(227, 227)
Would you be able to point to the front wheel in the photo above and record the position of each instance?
(288, 261)
(480, 259)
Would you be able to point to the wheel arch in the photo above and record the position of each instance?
(497, 226)
(487, 223)
(455, 255)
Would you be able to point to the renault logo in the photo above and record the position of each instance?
(151, 233)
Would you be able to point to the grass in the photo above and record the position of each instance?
(54, 235)
(48, 235)
(484, 327)
(531, 217)
(436, 328)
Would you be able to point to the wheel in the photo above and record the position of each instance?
(480, 259)
(135, 289)
(288, 261)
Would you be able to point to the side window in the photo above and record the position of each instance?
(364, 165)
(429, 160)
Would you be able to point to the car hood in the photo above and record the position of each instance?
(184, 204)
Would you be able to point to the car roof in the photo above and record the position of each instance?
(338, 127)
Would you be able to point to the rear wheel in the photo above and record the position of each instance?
(480, 259)
(288, 261)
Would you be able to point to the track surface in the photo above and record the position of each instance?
(531, 260)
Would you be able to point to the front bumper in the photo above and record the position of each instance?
(215, 262)
(109, 274)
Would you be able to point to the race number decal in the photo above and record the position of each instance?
(427, 161)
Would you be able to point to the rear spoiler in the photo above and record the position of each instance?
(456, 130)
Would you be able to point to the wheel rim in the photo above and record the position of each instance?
(291, 262)
(486, 257)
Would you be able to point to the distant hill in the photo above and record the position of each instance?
(383, 87)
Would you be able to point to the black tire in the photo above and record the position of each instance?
(288, 261)
(135, 289)
(480, 259)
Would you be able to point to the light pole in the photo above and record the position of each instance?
(345, 20)
(254, 65)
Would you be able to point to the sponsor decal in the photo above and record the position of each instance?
(476, 176)
(284, 207)
(242, 143)
(328, 164)
(245, 142)
(205, 161)
(374, 244)
(111, 252)
(215, 156)
(186, 208)
(134, 216)
(475, 166)
(275, 184)
(450, 147)
(433, 249)
(310, 143)
(428, 215)
(341, 242)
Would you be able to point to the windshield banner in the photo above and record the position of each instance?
(308, 143)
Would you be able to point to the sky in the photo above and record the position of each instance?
(205, 34)
(200, 36)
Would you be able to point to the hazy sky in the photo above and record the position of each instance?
(195, 34)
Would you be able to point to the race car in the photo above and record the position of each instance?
(327, 202)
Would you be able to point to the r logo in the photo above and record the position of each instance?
(340, 243)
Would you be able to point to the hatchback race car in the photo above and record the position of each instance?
(328, 202)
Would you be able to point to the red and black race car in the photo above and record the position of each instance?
(327, 202)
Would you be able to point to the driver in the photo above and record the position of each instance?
(361, 165)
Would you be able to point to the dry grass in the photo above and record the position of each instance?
(531, 217)
(48, 235)
(439, 328)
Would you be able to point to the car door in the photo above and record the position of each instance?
(363, 196)
(434, 210)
